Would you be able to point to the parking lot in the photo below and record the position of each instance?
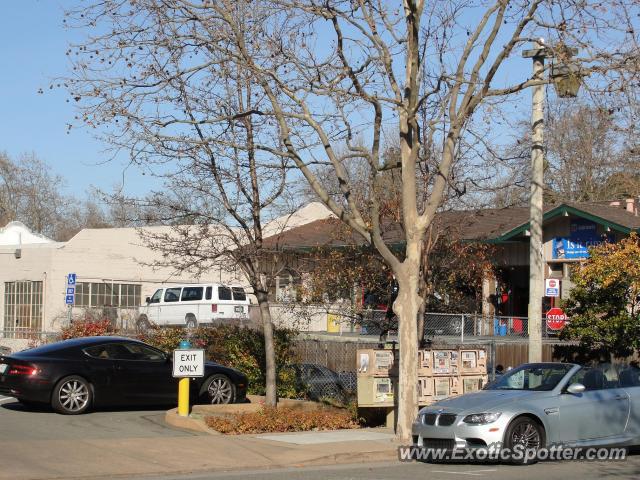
(22, 424)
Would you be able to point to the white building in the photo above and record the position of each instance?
(112, 269)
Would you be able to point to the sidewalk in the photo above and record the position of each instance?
(97, 458)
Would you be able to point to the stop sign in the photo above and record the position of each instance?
(556, 319)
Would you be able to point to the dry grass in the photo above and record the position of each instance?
(270, 419)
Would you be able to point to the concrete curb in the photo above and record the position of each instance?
(351, 458)
(195, 423)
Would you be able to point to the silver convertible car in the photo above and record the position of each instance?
(539, 405)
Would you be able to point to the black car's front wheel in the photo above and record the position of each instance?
(218, 390)
(72, 396)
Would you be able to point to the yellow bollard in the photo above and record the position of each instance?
(183, 397)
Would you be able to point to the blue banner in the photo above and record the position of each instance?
(583, 235)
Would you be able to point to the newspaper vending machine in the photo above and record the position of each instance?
(441, 373)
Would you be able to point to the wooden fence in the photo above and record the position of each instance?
(340, 356)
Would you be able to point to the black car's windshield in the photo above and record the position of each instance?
(537, 377)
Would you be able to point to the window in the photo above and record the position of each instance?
(190, 294)
(82, 294)
(156, 296)
(238, 294)
(531, 377)
(285, 287)
(99, 351)
(556, 270)
(142, 352)
(130, 295)
(172, 294)
(96, 294)
(129, 351)
(595, 378)
(224, 293)
(209, 293)
(23, 306)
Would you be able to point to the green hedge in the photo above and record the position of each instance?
(238, 347)
(233, 346)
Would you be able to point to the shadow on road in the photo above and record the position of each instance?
(17, 406)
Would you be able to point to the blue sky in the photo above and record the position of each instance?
(33, 42)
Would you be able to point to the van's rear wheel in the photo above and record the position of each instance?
(191, 321)
(142, 324)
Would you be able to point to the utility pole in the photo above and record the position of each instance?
(566, 77)
(536, 260)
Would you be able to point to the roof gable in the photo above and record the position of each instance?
(17, 233)
(614, 218)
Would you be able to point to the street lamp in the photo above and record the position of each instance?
(566, 79)
(565, 75)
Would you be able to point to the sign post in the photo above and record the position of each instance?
(70, 295)
(187, 363)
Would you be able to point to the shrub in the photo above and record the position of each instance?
(604, 304)
(237, 347)
(166, 339)
(87, 328)
(270, 419)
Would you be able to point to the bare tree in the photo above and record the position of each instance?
(199, 134)
(588, 152)
(31, 193)
(330, 73)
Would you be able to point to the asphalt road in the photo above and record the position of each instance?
(38, 427)
(628, 469)
(20, 423)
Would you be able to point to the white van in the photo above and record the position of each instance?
(193, 305)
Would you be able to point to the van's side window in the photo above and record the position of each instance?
(238, 293)
(156, 297)
(191, 294)
(208, 293)
(224, 293)
(172, 295)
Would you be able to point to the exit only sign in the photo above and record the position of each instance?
(188, 363)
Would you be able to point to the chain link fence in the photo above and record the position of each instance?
(455, 327)
(464, 328)
(16, 339)
(327, 369)
(121, 318)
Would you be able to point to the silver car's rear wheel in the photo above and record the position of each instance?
(71, 396)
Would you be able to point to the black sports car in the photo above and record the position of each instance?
(74, 375)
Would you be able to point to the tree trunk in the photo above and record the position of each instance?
(421, 312)
(271, 396)
(406, 306)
